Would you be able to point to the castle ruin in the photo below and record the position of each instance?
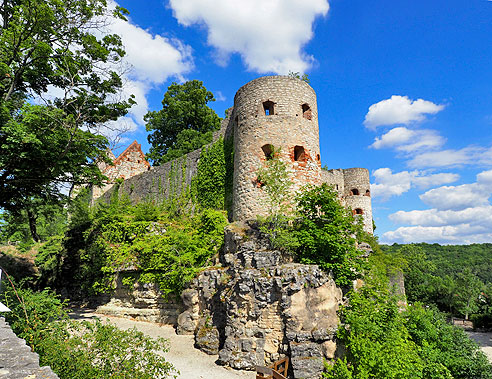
(271, 111)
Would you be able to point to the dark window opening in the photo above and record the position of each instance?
(306, 112)
(268, 151)
(336, 186)
(357, 211)
(318, 158)
(354, 191)
(299, 153)
(237, 120)
(368, 193)
(268, 108)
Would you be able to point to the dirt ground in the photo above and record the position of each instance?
(191, 363)
(484, 340)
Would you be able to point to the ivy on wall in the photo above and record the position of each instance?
(212, 185)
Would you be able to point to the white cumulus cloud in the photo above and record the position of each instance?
(399, 110)
(388, 184)
(268, 34)
(409, 141)
(458, 214)
(470, 155)
(152, 58)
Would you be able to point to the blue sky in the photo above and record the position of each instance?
(404, 89)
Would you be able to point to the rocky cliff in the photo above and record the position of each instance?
(258, 306)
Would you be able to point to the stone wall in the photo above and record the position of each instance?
(353, 187)
(129, 163)
(141, 302)
(16, 358)
(269, 111)
(167, 180)
(260, 307)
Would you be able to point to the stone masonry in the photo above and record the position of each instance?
(271, 111)
(17, 361)
(276, 111)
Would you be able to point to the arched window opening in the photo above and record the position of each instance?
(318, 158)
(268, 151)
(299, 153)
(306, 112)
(368, 193)
(357, 211)
(268, 108)
(354, 191)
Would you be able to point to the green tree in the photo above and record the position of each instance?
(54, 44)
(327, 234)
(185, 122)
(468, 288)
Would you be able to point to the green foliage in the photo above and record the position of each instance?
(281, 232)
(326, 233)
(51, 220)
(48, 261)
(298, 75)
(185, 122)
(44, 146)
(442, 344)
(82, 350)
(274, 179)
(210, 180)
(447, 276)
(170, 257)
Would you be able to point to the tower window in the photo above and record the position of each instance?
(368, 193)
(268, 108)
(237, 120)
(299, 153)
(268, 151)
(357, 211)
(354, 191)
(318, 158)
(306, 112)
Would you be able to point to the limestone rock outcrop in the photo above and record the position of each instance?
(259, 307)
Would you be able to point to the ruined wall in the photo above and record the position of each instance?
(279, 111)
(260, 307)
(167, 180)
(161, 182)
(357, 194)
(142, 302)
(335, 179)
(353, 187)
(129, 163)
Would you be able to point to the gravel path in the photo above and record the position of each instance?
(191, 363)
(484, 340)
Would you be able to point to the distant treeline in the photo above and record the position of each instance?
(456, 278)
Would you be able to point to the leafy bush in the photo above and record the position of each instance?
(384, 341)
(168, 253)
(327, 232)
(82, 350)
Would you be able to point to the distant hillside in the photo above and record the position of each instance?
(450, 259)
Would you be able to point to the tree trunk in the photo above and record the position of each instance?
(32, 225)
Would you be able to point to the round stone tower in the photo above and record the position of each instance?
(277, 111)
(357, 194)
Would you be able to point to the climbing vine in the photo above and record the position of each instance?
(212, 185)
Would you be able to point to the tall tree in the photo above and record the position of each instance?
(59, 46)
(185, 122)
